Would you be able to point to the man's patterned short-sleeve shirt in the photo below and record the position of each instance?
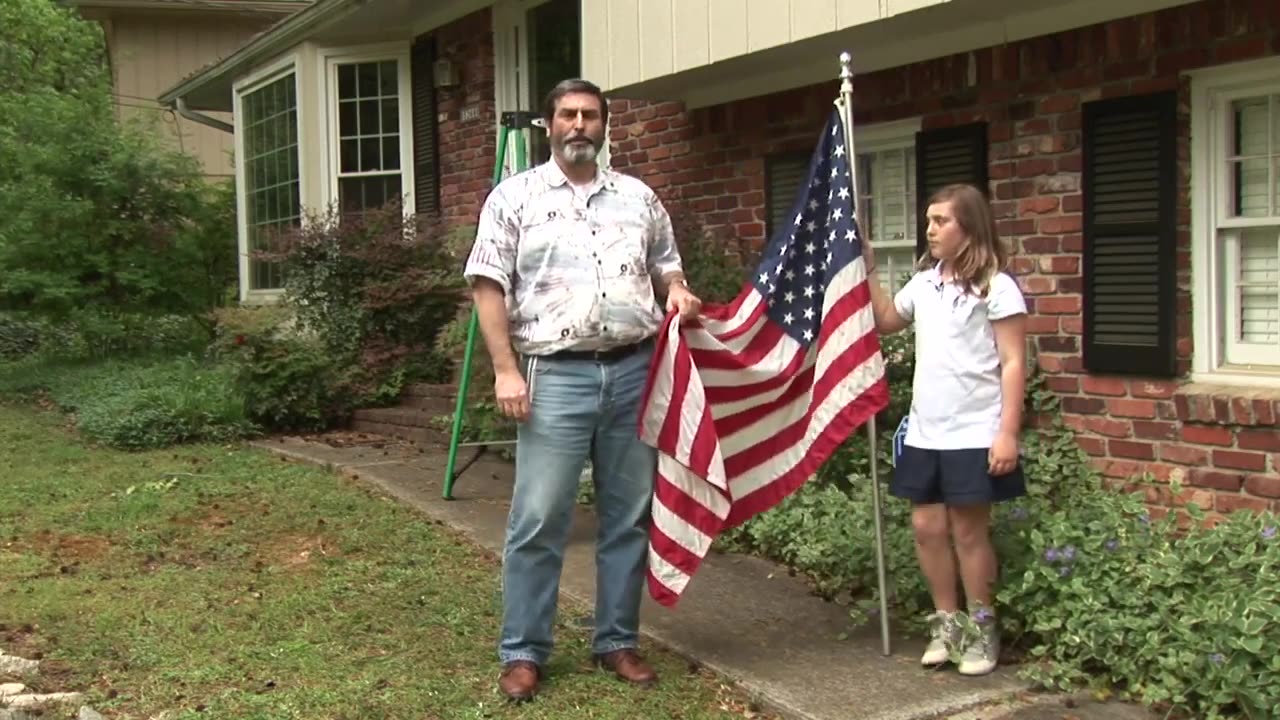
(578, 264)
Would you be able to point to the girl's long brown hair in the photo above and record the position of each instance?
(985, 255)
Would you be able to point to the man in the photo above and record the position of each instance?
(567, 267)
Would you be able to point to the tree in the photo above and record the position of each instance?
(94, 212)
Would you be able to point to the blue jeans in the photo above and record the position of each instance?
(579, 409)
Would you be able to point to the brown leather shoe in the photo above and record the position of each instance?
(519, 680)
(627, 665)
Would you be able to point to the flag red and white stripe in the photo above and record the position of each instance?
(742, 409)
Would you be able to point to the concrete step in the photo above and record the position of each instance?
(418, 435)
(410, 417)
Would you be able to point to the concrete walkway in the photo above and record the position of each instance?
(741, 616)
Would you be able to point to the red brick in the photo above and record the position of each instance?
(1152, 388)
(1263, 412)
(1184, 454)
(1122, 468)
(1095, 446)
(1035, 166)
(1063, 384)
(1259, 440)
(1058, 305)
(1059, 104)
(1060, 225)
(1040, 245)
(1083, 405)
(1199, 496)
(1204, 435)
(1060, 264)
(1245, 48)
(1232, 503)
(1038, 205)
(1238, 460)
(1037, 285)
(1263, 485)
(1131, 449)
(1132, 408)
(1104, 386)
(1154, 430)
(1215, 479)
(1073, 325)
(1107, 426)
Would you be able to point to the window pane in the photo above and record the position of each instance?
(1251, 184)
(370, 154)
(271, 167)
(346, 81)
(886, 196)
(387, 76)
(1258, 284)
(367, 80)
(368, 192)
(390, 116)
(391, 153)
(347, 119)
(369, 117)
(1251, 123)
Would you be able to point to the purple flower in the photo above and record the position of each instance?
(1051, 555)
(1112, 545)
(983, 615)
(1217, 658)
(1069, 553)
(1268, 532)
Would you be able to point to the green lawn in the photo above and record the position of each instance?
(220, 582)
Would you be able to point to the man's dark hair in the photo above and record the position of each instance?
(574, 85)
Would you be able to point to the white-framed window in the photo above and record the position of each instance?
(1236, 219)
(269, 173)
(369, 127)
(886, 193)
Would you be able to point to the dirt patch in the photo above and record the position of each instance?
(24, 641)
(211, 519)
(68, 548)
(295, 550)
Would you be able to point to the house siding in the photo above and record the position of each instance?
(152, 51)
(1222, 443)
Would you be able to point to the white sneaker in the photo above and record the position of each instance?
(982, 653)
(944, 631)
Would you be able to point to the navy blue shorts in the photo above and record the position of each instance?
(953, 477)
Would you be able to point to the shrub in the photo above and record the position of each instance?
(1092, 590)
(140, 404)
(286, 375)
(374, 289)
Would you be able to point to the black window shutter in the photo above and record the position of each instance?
(426, 148)
(784, 173)
(1130, 214)
(945, 156)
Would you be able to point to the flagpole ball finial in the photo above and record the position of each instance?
(846, 64)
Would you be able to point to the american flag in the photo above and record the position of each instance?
(746, 402)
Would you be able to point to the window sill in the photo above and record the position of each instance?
(1219, 400)
(263, 297)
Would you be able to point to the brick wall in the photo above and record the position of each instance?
(467, 146)
(1223, 443)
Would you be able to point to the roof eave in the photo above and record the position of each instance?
(285, 34)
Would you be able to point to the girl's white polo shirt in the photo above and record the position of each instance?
(955, 395)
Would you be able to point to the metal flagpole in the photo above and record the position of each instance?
(845, 103)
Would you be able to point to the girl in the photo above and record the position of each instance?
(961, 450)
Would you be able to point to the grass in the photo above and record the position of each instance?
(214, 581)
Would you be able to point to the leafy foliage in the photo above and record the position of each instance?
(136, 405)
(94, 212)
(1093, 591)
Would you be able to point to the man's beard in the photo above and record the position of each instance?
(579, 153)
